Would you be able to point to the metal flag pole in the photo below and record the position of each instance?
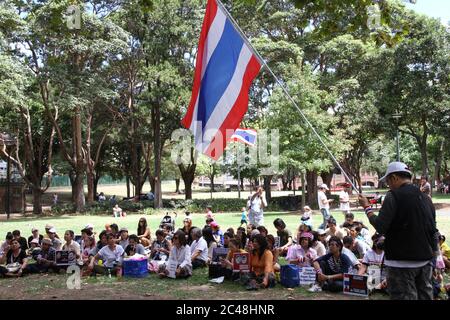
(283, 87)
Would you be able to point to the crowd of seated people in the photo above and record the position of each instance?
(332, 252)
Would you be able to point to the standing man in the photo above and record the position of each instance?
(324, 205)
(425, 186)
(257, 204)
(407, 218)
(344, 199)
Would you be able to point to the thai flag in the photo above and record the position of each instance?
(225, 69)
(247, 136)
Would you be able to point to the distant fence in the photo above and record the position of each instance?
(64, 181)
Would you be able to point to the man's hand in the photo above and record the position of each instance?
(363, 201)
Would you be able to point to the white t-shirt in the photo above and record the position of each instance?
(351, 256)
(371, 257)
(202, 246)
(257, 203)
(181, 256)
(344, 201)
(110, 257)
(320, 249)
(320, 198)
(362, 247)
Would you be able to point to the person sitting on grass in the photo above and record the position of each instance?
(445, 251)
(160, 249)
(45, 259)
(231, 232)
(85, 234)
(56, 243)
(14, 255)
(88, 248)
(263, 231)
(187, 228)
(359, 247)
(134, 247)
(241, 236)
(115, 232)
(331, 267)
(101, 243)
(72, 245)
(318, 245)
(112, 257)
(217, 233)
(227, 262)
(7, 244)
(227, 236)
(117, 211)
(302, 254)
(271, 246)
(199, 249)
(180, 255)
(23, 242)
(375, 257)
(34, 245)
(262, 273)
(334, 230)
(123, 241)
(35, 235)
(207, 234)
(363, 233)
(348, 242)
(143, 233)
(349, 219)
(208, 222)
(168, 232)
(284, 234)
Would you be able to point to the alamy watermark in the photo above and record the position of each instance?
(74, 280)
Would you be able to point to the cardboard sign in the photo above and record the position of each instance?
(307, 276)
(65, 258)
(172, 268)
(355, 285)
(241, 262)
(277, 242)
(375, 277)
(219, 253)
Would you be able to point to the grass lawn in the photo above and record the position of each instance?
(53, 286)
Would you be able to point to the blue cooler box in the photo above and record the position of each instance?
(135, 268)
(289, 276)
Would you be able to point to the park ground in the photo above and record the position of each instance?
(53, 286)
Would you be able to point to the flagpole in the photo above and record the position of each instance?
(239, 179)
(283, 87)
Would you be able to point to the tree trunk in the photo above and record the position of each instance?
(128, 186)
(79, 192)
(303, 190)
(327, 177)
(242, 184)
(437, 168)
(90, 177)
(177, 185)
(311, 180)
(157, 149)
(267, 180)
(96, 180)
(284, 182)
(37, 200)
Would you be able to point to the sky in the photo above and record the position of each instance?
(433, 8)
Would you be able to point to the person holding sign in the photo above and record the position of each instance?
(179, 264)
(72, 246)
(331, 267)
(261, 259)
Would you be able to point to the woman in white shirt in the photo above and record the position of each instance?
(257, 203)
(179, 264)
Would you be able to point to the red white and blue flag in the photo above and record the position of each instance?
(247, 136)
(225, 69)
